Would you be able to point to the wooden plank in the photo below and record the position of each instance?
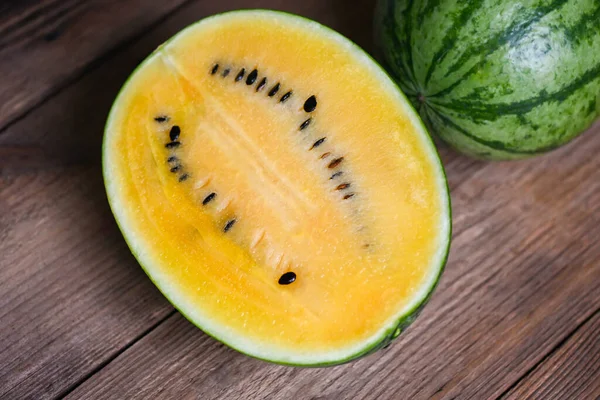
(522, 271)
(69, 322)
(572, 372)
(72, 294)
(67, 129)
(46, 44)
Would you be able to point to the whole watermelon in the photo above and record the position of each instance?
(496, 79)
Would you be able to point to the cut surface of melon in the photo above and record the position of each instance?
(256, 144)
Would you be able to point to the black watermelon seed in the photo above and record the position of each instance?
(214, 69)
(175, 168)
(339, 173)
(261, 85)
(174, 133)
(252, 77)
(172, 145)
(161, 118)
(342, 186)
(346, 197)
(229, 225)
(274, 90)
(287, 278)
(335, 162)
(317, 143)
(226, 72)
(305, 124)
(310, 104)
(240, 75)
(171, 159)
(325, 155)
(209, 198)
(285, 97)
(183, 177)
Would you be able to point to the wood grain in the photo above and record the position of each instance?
(570, 373)
(72, 294)
(79, 317)
(521, 275)
(67, 129)
(46, 44)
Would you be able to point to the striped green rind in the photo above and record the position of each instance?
(498, 80)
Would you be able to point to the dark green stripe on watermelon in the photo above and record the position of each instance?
(497, 79)
(427, 10)
(585, 27)
(407, 32)
(511, 35)
(489, 112)
(396, 61)
(492, 144)
(450, 40)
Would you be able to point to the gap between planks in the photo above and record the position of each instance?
(92, 65)
(562, 341)
(548, 355)
(117, 353)
(87, 68)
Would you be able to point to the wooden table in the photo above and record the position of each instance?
(516, 314)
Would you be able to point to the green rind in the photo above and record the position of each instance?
(497, 80)
(403, 321)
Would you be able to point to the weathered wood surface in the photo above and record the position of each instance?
(569, 373)
(46, 44)
(515, 315)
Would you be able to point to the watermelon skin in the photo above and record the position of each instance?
(496, 80)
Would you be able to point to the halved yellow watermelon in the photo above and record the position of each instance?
(278, 188)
